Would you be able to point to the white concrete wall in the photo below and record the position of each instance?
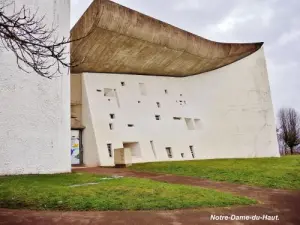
(35, 111)
(233, 104)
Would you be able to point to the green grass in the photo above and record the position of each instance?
(45, 192)
(281, 172)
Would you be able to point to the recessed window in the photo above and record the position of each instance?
(109, 150)
(139, 101)
(182, 155)
(153, 148)
(99, 90)
(158, 104)
(166, 91)
(169, 152)
(143, 89)
(111, 126)
(189, 124)
(130, 125)
(177, 118)
(112, 116)
(192, 151)
(157, 117)
(123, 83)
(180, 94)
(108, 92)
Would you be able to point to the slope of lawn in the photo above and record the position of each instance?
(45, 192)
(281, 172)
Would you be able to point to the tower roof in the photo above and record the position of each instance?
(122, 40)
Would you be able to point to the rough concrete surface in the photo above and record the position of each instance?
(126, 41)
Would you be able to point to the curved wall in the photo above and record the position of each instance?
(35, 114)
(225, 113)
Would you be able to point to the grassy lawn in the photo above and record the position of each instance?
(281, 172)
(54, 192)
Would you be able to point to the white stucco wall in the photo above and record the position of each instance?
(233, 105)
(35, 111)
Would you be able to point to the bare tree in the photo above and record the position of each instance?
(289, 131)
(32, 42)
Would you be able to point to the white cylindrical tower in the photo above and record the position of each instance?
(35, 111)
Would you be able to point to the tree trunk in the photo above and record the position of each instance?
(291, 150)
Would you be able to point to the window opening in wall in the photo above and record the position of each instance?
(169, 152)
(177, 118)
(197, 123)
(108, 92)
(180, 94)
(189, 123)
(182, 155)
(130, 125)
(143, 89)
(158, 104)
(123, 83)
(166, 91)
(139, 101)
(153, 148)
(112, 116)
(192, 151)
(111, 126)
(157, 117)
(109, 150)
(99, 90)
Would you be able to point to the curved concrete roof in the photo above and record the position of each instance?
(126, 41)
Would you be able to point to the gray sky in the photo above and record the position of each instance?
(275, 22)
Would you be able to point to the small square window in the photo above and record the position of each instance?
(182, 155)
(177, 118)
(139, 101)
(157, 117)
(111, 126)
(98, 90)
(158, 104)
(143, 89)
(123, 83)
(130, 125)
(108, 92)
(112, 116)
(169, 152)
(166, 91)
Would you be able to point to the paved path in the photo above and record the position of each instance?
(285, 204)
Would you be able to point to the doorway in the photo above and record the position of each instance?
(76, 149)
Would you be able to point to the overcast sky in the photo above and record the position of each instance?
(275, 22)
